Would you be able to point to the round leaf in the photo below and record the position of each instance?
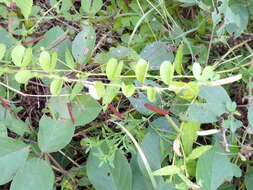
(151, 94)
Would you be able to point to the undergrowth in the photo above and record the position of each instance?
(126, 94)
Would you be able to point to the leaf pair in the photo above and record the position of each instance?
(114, 69)
(21, 56)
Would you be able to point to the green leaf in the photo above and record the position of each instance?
(111, 178)
(141, 70)
(151, 93)
(56, 86)
(36, 174)
(167, 170)
(91, 7)
(110, 92)
(13, 154)
(196, 69)
(83, 44)
(207, 73)
(54, 135)
(167, 72)
(189, 135)
(17, 55)
(155, 54)
(45, 61)
(85, 109)
(178, 62)
(249, 178)
(128, 90)
(27, 57)
(113, 69)
(197, 152)
(24, 76)
(213, 168)
(232, 123)
(10, 121)
(2, 50)
(25, 6)
(76, 90)
(211, 110)
(250, 116)
(100, 88)
(69, 59)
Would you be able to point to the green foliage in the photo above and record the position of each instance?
(174, 105)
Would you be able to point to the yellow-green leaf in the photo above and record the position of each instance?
(141, 70)
(56, 86)
(23, 76)
(178, 62)
(69, 59)
(27, 57)
(197, 152)
(189, 135)
(100, 88)
(113, 69)
(2, 50)
(168, 170)
(25, 7)
(151, 94)
(167, 72)
(77, 89)
(128, 90)
(45, 61)
(17, 55)
(53, 61)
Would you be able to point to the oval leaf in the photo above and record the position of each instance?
(45, 61)
(196, 69)
(54, 135)
(83, 45)
(24, 76)
(167, 72)
(56, 86)
(151, 94)
(17, 55)
(141, 70)
(113, 69)
(27, 57)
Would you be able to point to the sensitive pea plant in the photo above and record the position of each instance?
(126, 95)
